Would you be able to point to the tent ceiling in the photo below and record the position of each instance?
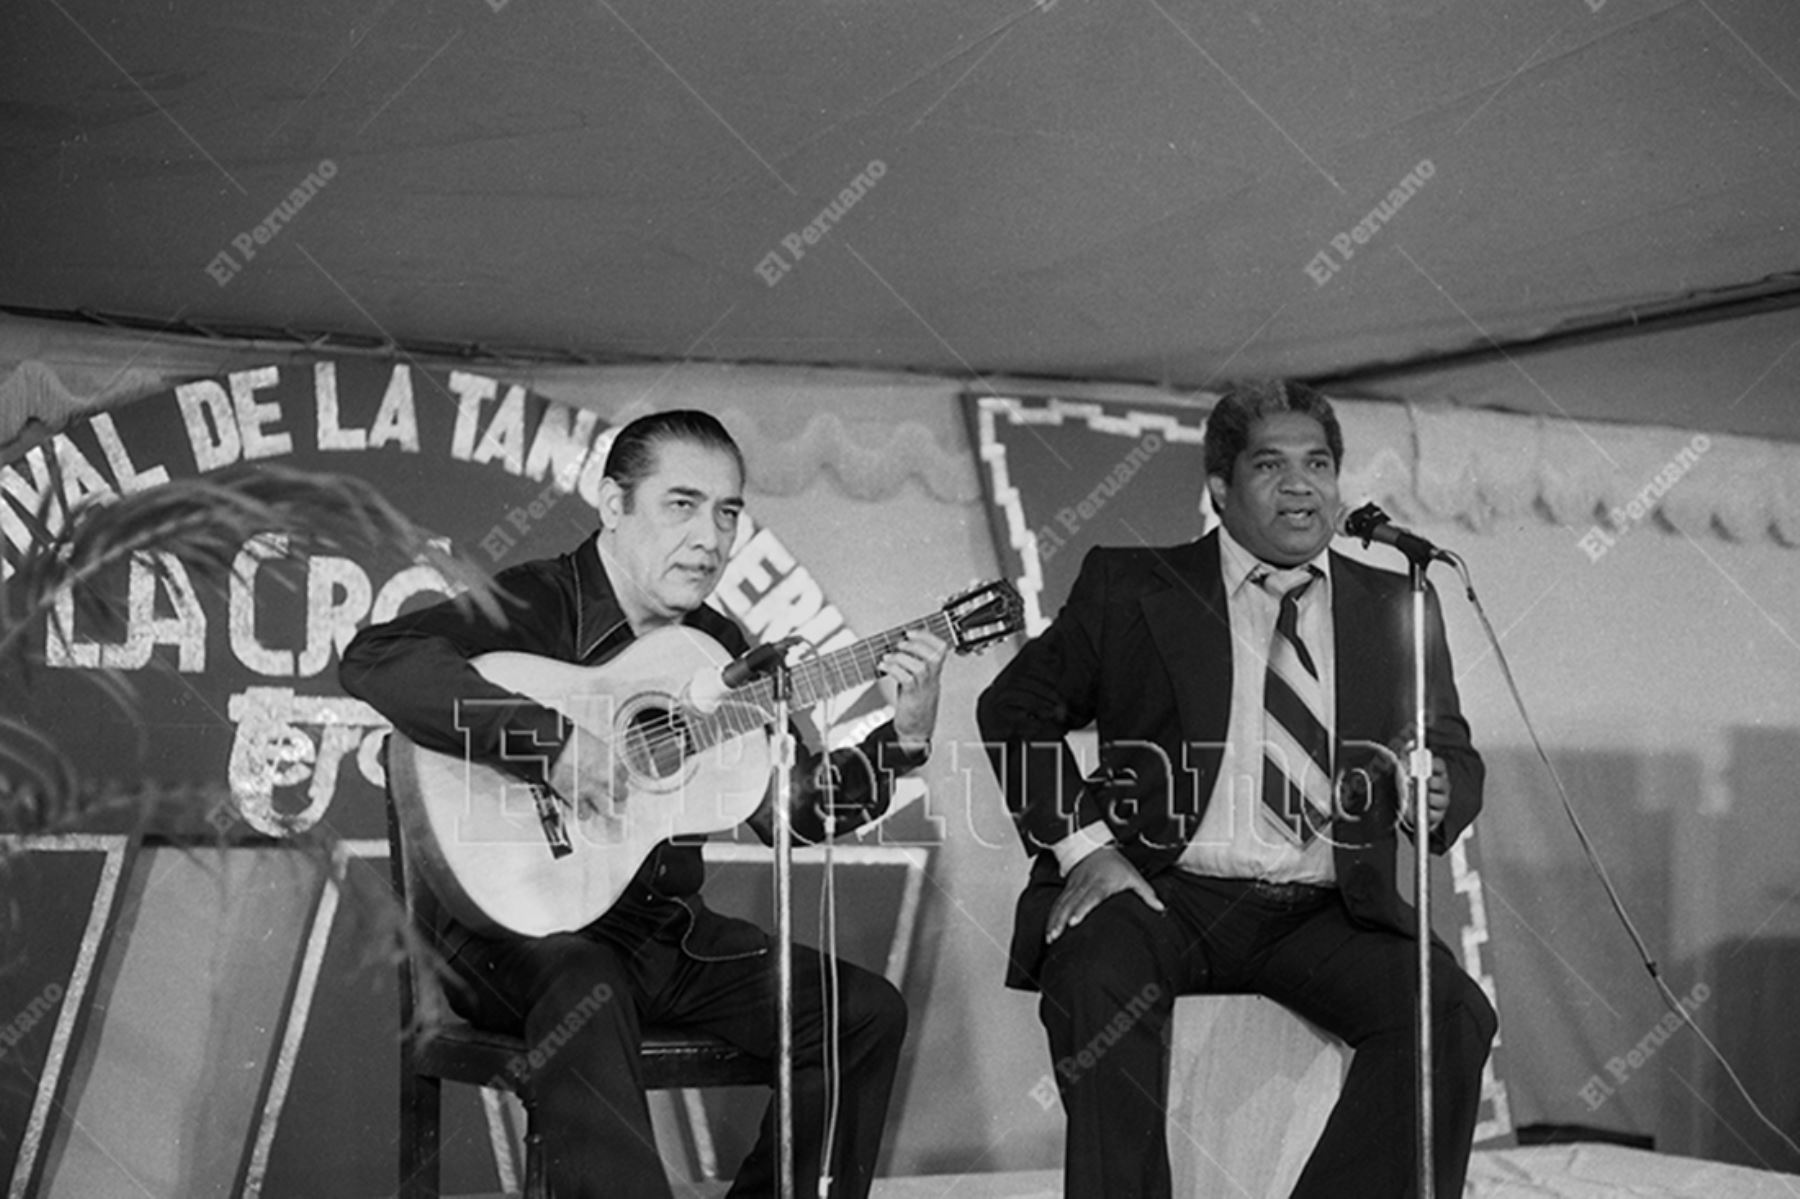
(1071, 188)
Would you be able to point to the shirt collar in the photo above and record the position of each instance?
(602, 618)
(1237, 564)
(596, 604)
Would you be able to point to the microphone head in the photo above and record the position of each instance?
(1362, 522)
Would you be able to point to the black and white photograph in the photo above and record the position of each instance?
(1014, 599)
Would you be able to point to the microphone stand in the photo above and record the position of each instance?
(1370, 523)
(781, 680)
(1418, 779)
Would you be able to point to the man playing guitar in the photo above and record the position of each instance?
(669, 507)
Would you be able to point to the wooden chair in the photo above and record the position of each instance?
(451, 1050)
(1250, 1088)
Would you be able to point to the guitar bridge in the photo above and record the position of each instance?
(550, 816)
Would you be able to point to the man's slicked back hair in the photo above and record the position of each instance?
(1243, 404)
(632, 457)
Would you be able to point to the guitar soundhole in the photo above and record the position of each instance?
(659, 742)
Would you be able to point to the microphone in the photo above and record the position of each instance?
(708, 689)
(1370, 523)
(758, 662)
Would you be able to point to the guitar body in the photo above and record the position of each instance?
(477, 835)
(503, 856)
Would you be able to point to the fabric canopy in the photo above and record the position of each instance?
(1165, 193)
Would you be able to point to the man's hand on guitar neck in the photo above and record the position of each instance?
(913, 668)
(835, 794)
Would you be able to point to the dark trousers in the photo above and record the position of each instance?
(582, 1003)
(1109, 987)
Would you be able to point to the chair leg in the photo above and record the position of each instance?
(537, 1182)
(419, 1105)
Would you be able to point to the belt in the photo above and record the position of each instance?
(1290, 895)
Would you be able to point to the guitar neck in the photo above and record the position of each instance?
(821, 678)
(752, 705)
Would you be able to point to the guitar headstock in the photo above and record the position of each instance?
(983, 615)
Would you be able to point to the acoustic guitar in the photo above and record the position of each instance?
(688, 756)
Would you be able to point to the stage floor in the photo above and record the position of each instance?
(1587, 1171)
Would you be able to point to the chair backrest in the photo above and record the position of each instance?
(434, 1045)
(402, 892)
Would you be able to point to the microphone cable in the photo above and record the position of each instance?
(831, 999)
(1587, 848)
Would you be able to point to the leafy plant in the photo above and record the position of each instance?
(202, 523)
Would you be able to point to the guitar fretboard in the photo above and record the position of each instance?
(752, 706)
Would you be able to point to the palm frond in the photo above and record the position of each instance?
(203, 524)
(35, 777)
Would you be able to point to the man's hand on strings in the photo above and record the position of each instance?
(590, 778)
(913, 668)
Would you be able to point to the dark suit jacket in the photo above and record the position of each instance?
(1142, 649)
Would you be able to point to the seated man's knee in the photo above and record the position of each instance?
(1481, 1011)
(1463, 999)
(873, 1003)
(590, 982)
(1108, 956)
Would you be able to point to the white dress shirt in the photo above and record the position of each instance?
(1236, 839)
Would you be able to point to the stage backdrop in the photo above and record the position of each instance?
(228, 977)
(1639, 578)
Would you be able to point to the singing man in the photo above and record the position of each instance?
(1230, 680)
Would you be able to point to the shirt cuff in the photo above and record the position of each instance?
(892, 755)
(1080, 843)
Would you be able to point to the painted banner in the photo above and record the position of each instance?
(242, 686)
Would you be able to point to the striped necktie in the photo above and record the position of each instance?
(1296, 788)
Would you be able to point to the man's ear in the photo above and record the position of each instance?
(612, 502)
(1216, 487)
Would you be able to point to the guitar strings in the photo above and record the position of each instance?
(670, 734)
(671, 728)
